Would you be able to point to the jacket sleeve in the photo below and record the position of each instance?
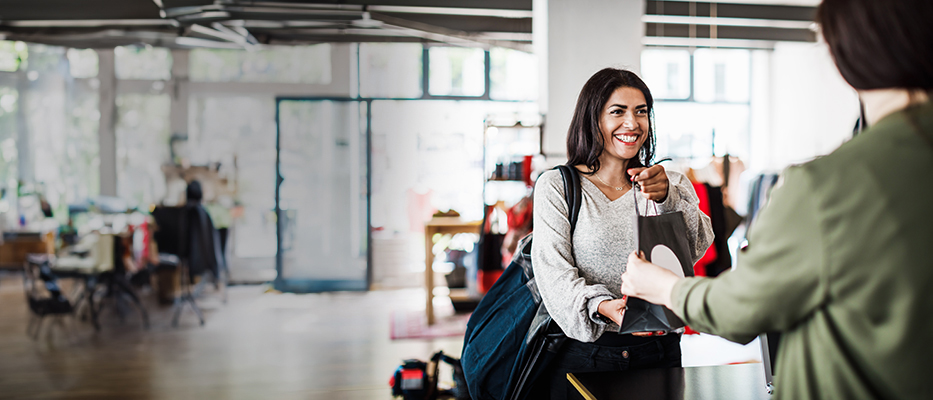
(780, 278)
(568, 298)
(682, 197)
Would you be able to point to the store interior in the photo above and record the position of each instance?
(341, 149)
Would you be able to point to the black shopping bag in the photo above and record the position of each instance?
(663, 239)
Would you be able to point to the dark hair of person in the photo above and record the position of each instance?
(880, 44)
(584, 138)
(193, 192)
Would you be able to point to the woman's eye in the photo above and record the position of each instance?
(642, 112)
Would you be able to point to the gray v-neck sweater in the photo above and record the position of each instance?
(573, 280)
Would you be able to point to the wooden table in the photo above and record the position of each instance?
(442, 225)
(17, 245)
(721, 382)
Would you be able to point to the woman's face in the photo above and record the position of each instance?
(624, 123)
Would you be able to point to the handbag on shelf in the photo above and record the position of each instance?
(663, 239)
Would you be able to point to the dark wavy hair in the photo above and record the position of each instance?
(584, 139)
(880, 44)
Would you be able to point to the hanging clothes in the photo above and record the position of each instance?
(699, 269)
(721, 239)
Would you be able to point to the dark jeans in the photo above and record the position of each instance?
(576, 357)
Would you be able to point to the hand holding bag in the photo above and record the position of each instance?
(663, 239)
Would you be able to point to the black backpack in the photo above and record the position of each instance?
(510, 337)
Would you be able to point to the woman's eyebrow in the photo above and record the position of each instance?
(641, 106)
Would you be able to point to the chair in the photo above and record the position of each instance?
(206, 257)
(43, 294)
(117, 280)
(94, 260)
(187, 233)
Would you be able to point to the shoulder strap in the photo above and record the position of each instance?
(571, 193)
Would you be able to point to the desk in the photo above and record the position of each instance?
(16, 246)
(451, 225)
(722, 382)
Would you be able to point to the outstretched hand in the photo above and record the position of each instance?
(648, 281)
(653, 181)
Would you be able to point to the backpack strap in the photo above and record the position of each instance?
(571, 193)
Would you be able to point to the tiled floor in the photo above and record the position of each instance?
(259, 345)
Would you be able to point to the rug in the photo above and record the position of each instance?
(413, 325)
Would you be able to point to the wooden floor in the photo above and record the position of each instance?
(257, 346)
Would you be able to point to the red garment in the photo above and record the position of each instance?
(485, 279)
(699, 269)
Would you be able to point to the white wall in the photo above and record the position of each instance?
(582, 37)
(802, 108)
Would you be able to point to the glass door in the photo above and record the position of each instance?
(322, 195)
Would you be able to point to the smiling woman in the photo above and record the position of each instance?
(610, 142)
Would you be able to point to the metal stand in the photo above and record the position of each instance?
(185, 296)
(117, 287)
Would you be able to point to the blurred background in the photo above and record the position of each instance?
(363, 170)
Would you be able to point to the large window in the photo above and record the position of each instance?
(280, 64)
(8, 151)
(239, 133)
(143, 62)
(12, 55)
(390, 70)
(142, 147)
(457, 71)
(701, 101)
(61, 119)
(513, 75)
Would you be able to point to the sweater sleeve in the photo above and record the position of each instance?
(568, 298)
(780, 279)
(682, 197)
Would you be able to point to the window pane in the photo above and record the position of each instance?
(239, 133)
(687, 130)
(667, 73)
(143, 62)
(8, 152)
(457, 71)
(62, 123)
(142, 147)
(285, 64)
(390, 70)
(721, 75)
(12, 54)
(82, 63)
(513, 75)
(43, 59)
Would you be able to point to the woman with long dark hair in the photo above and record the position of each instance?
(611, 143)
(839, 260)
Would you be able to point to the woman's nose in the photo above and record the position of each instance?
(628, 123)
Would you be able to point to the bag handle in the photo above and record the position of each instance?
(635, 189)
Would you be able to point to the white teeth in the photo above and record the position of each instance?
(627, 138)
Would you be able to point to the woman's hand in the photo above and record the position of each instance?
(613, 309)
(653, 181)
(647, 281)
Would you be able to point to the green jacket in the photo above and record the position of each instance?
(841, 261)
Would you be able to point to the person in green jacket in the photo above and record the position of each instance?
(841, 259)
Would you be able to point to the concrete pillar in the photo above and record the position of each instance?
(107, 138)
(580, 37)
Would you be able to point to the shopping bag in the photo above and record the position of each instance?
(663, 240)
